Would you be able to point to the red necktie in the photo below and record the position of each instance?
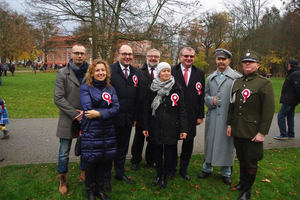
(126, 73)
(152, 75)
(185, 76)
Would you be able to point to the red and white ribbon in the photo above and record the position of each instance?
(174, 98)
(199, 87)
(246, 94)
(135, 80)
(106, 96)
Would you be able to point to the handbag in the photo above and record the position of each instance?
(77, 148)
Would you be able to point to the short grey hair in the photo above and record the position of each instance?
(187, 48)
(153, 50)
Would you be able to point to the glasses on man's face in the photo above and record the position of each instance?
(152, 56)
(186, 56)
(126, 54)
(78, 53)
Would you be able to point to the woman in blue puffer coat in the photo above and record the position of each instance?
(98, 143)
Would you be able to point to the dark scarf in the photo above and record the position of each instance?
(99, 84)
(79, 72)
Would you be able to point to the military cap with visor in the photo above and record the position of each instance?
(223, 53)
(251, 56)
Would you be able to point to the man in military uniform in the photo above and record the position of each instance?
(249, 119)
(218, 148)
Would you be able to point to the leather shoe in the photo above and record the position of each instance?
(125, 178)
(156, 180)
(152, 164)
(185, 176)
(91, 196)
(163, 183)
(102, 196)
(1, 159)
(204, 175)
(227, 180)
(107, 186)
(135, 167)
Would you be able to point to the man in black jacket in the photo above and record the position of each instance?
(289, 99)
(147, 74)
(124, 78)
(192, 82)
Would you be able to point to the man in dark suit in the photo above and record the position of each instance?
(147, 74)
(192, 82)
(124, 78)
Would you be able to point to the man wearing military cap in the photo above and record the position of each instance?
(218, 148)
(249, 119)
(289, 99)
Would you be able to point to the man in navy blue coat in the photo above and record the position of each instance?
(124, 78)
(192, 82)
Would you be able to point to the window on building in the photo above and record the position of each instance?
(55, 57)
(69, 56)
(51, 57)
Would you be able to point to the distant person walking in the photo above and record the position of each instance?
(12, 68)
(4, 68)
(290, 95)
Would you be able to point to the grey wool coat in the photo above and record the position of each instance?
(67, 99)
(218, 148)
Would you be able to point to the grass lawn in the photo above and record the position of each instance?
(29, 95)
(278, 178)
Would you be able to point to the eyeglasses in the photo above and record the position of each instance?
(78, 53)
(126, 54)
(186, 56)
(150, 56)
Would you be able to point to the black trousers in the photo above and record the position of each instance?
(94, 174)
(122, 137)
(185, 156)
(163, 158)
(137, 148)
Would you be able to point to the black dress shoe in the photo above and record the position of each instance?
(227, 180)
(152, 165)
(1, 159)
(204, 175)
(156, 180)
(185, 176)
(107, 186)
(135, 167)
(125, 178)
(91, 196)
(102, 196)
(163, 183)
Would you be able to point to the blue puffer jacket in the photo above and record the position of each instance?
(98, 141)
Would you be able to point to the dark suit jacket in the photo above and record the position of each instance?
(127, 92)
(144, 84)
(194, 103)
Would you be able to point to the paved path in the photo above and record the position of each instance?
(34, 141)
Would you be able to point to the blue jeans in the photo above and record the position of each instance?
(288, 112)
(225, 170)
(63, 156)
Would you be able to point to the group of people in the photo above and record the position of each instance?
(164, 104)
(4, 67)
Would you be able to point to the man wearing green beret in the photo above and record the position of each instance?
(249, 119)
